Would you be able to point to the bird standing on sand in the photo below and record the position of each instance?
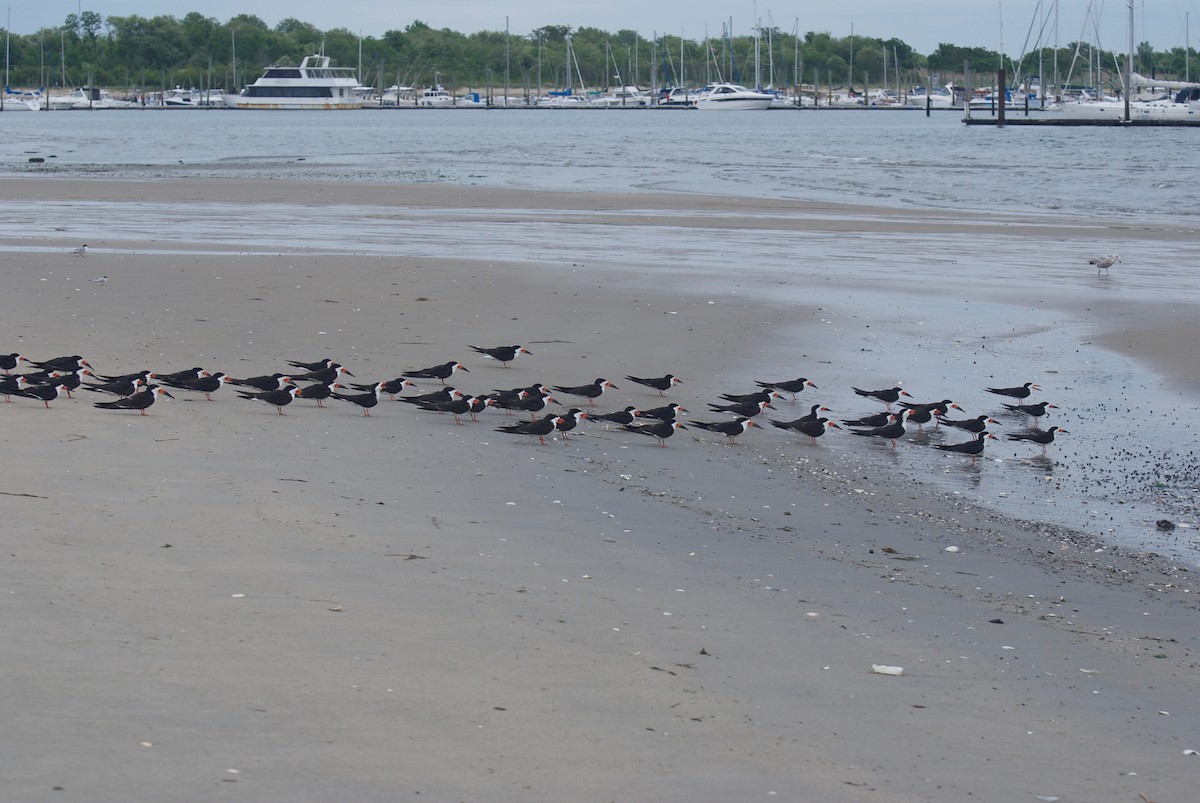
(661, 430)
(1105, 262)
(439, 372)
(364, 400)
(140, 401)
(888, 396)
(590, 392)
(80, 251)
(47, 393)
(541, 427)
(972, 448)
(813, 428)
(100, 280)
(1019, 392)
(1036, 410)
(792, 386)
(667, 413)
(890, 431)
(1044, 438)
(10, 361)
(976, 425)
(280, 398)
(730, 429)
(622, 417)
(503, 354)
(660, 383)
(208, 384)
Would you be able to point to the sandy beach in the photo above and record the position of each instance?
(216, 602)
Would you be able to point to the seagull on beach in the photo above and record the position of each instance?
(80, 251)
(100, 280)
(1105, 262)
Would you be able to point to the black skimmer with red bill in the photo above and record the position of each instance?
(319, 365)
(813, 428)
(140, 401)
(622, 417)
(11, 385)
(1019, 392)
(72, 379)
(730, 429)
(972, 448)
(62, 363)
(660, 383)
(502, 354)
(467, 405)
(208, 385)
(921, 414)
(541, 427)
(888, 395)
(264, 383)
(875, 420)
(439, 372)
(174, 379)
(766, 394)
(280, 397)
(320, 391)
(662, 430)
(445, 394)
(742, 409)
(145, 376)
(890, 431)
(391, 387)
(569, 420)
(333, 373)
(792, 386)
(1042, 437)
(530, 404)
(590, 392)
(977, 424)
(123, 387)
(1105, 262)
(364, 400)
(9, 362)
(667, 413)
(47, 393)
(1035, 410)
(811, 415)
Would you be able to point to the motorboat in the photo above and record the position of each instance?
(940, 97)
(623, 96)
(435, 97)
(1185, 105)
(87, 97)
(312, 85)
(23, 100)
(732, 97)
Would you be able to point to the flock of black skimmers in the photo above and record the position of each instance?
(48, 380)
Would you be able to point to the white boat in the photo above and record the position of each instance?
(312, 85)
(623, 96)
(1184, 106)
(87, 97)
(940, 97)
(732, 97)
(23, 100)
(435, 97)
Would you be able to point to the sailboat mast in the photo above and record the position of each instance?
(1129, 63)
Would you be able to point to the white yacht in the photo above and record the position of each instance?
(732, 97)
(436, 97)
(312, 85)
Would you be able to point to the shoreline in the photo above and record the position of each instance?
(340, 606)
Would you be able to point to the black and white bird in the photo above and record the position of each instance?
(1044, 438)
(364, 400)
(502, 354)
(792, 386)
(590, 392)
(813, 428)
(1036, 410)
(439, 372)
(279, 398)
(80, 251)
(662, 430)
(1019, 392)
(1105, 262)
(890, 431)
(47, 393)
(540, 427)
(972, 448)
(730, 429)
(207, 384)
(667, 413)
(660, 383)
(888, 395)
(140, 401)
(100, 280)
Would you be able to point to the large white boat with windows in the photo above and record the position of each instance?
(312, 85)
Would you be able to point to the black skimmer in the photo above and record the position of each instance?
(445, 394)
(888, 396)
(391, 387)
(569, 420)
(62, 363)
(140, 401)
(124, 387)
(320, 391)
(1035, 410)
(972, 448)
(502, 354)
(190, 375)
(47, 393)
(1044, 438)
(730, 429)
(331, 374)
(9, 362)
(72, 379)
(660, 383)
(977, 424)
(876, 420)
(11, 385)
(792, 386)
(667, 413)
(813, 428)
(590, 392)
(208, 385)
(439, 372)
(890, 431)
(540, 427)
(319, 365)
(1019, 392)
(280, 397)
(743, 409)
(921, 414)
(536, 389)
(662, 430)
(80, 251)
(264, 383)
(766, 394)
(622, 417)
(531, 404)
(364, 400)
(811, 415)
(1105, 262)
(467, 405)
(145, 376)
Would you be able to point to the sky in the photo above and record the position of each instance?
(923, 25)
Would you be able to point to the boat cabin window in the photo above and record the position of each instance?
(282, 72)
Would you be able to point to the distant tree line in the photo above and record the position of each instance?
(145, 54)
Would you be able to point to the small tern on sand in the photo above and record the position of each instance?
(100, 280)
(80, 251)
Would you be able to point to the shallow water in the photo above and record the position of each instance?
(1127, 460)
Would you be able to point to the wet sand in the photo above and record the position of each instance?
(215, 600)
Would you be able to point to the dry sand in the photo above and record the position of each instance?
(217, 602)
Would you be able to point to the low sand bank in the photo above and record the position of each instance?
(214, 599)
